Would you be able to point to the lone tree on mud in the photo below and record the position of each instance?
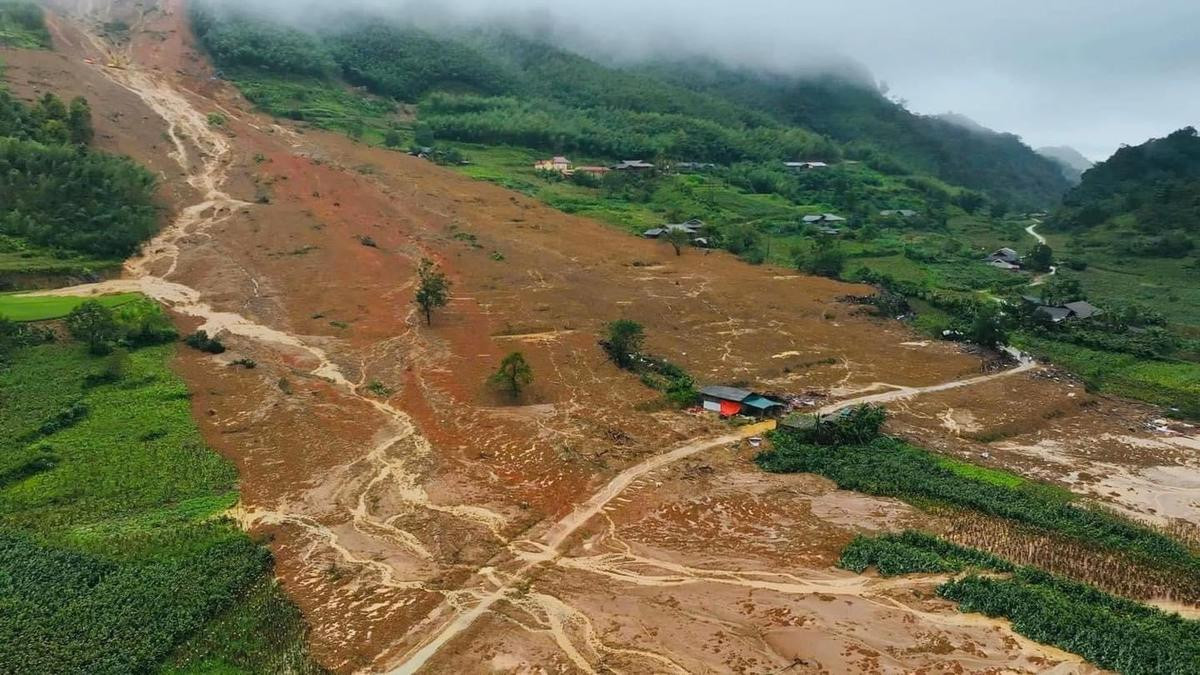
(624, 342)
(514, 374)
(677, 239)
(433, 289)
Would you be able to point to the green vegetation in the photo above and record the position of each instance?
(60, 195)
(114, 553)
(1142, 201)
(513, 375)
(624, 342)
(1110, 631)
(914, 552)
(889, 467)
(433, 289)
(505, 101)
(623, 345)
(22, 25)
(44, 308)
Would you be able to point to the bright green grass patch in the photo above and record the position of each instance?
(981, 473)
(325, 105)
(20, 307)
(112, 544)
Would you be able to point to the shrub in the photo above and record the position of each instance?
(201, 341)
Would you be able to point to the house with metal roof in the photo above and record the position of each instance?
(1081, 309)
(729, 401)
(805, 165)
(632, 165)
(1005, 255)
(902, 213)
(822, 218)
(693, 228)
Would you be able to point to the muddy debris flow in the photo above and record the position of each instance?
(423, 525)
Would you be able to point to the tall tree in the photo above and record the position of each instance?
(513, 375)
(677, 238)
(624, 341)
(988, 327)
(1041, 257)
(79, 122)
(433, 289)
(95, 325)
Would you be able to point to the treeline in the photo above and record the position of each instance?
(851, 110)
(611, 132)
(59, 194)
(1155, 187)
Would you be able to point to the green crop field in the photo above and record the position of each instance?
(115, 553)
(20, 307)
(1110, 631)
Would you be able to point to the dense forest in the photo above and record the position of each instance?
(58, 193)
(488, 86)
(1149, 192)
(851, 110)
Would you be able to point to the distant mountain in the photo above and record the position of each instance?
(958, 151)
(1073, 163)
(1144, 200)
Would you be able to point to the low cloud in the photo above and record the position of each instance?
(1088, 74)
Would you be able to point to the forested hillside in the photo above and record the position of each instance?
(498, 88)
(853, 112)
(1145, 199)
(59, 194)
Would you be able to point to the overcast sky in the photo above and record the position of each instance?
(1092, 74)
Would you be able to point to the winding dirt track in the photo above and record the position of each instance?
(422, 524)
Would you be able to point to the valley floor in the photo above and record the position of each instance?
(420, 522)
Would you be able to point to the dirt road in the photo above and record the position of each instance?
(419, 520)
(548, 548)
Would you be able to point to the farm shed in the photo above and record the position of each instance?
(729, 401)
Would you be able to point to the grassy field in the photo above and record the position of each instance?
(19, 307)
(115, 553)
(1172, 384)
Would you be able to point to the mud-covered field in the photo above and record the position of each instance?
(421, 521)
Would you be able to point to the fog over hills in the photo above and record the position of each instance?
(1052, 75)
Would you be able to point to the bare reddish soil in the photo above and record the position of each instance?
(440, 526)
